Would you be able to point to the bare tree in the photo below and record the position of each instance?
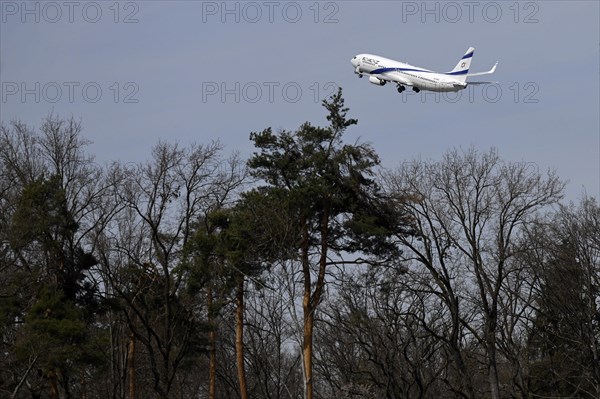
(565, 280)
(58, 149)
(162, 199)
(373, 340)
(274, 361)
(470, 209)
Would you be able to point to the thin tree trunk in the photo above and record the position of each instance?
(463, 372)
(307, 348)
(131, 365)
(493, 377)
(212, 339)
(239, 339)
(83, 387)
(467, 382)
(308, 318)
(53, 385)
(20, 384)
(311, 299)
(492, 368)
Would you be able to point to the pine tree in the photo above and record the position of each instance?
(334, 203)
(51, 302)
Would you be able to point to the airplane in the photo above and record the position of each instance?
(382, 70)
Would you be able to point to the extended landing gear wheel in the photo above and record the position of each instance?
(416, 89)
(358, 71)
(401, 89)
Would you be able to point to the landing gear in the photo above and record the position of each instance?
(416, 89)
(401, 88)
(358, 71)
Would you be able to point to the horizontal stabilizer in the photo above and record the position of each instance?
(482, 83)
(484, 73)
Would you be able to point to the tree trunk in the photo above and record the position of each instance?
(83, 387)
(465, 376)
(493, 378)
(491, 355)
(53, 385)
(212, 339)
(131, 365)
(311, 299)
(239, 339)
(461, 367)
(308, 314)
(307, 347)
(493, 374)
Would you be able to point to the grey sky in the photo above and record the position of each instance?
(544, 109)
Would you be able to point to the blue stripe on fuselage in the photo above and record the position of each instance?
(384, 70)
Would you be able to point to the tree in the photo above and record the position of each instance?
(462, 278)
(563, 339)
(373, 345)
(330, 190)
(253, 242)
(57, 310)
(230, 246)
(51, 194)
(143, 253)
(219, 265)
(274, 366)
(470, 211)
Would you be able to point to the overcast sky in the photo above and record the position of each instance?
(137, 72)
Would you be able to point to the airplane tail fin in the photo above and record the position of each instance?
(462, 68)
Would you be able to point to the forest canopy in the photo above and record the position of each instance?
(307, 270)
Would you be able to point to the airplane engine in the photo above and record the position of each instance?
(376, 81)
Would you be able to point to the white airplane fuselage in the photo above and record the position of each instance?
(382, 70)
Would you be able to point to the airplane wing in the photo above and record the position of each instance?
(483, 73)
